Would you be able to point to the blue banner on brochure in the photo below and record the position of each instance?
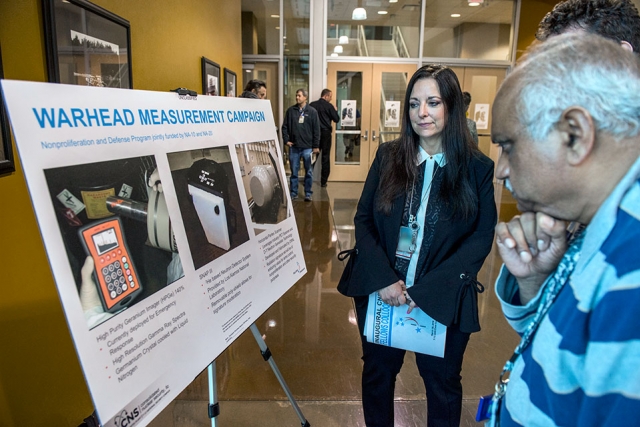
(393, 327)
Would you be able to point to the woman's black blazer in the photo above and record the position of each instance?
(445, 287)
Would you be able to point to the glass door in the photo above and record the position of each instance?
(369, 99)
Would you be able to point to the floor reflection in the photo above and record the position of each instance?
(312, 335)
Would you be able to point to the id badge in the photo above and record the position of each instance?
(301, 119)
(484, 408)
(405, 243)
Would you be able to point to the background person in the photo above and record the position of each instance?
(301, 132)
(568, 122)
(432, 171)
(466, 96)
(326, 114)
(256, 89)
(612, 19)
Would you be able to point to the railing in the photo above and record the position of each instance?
(362, 42)
(399, 43)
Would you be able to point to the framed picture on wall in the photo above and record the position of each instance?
(6, 153)
(229, 83)
(86, 44)
(210, 77)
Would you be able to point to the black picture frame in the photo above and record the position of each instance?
(230, 83)
(210, 77)
(86, 45)
(6, 151)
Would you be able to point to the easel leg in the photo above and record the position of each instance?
(266, 355)
(214, 406)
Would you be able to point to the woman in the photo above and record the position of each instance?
(435, 183)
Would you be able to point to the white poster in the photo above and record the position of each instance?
(167, 224)
(392, 114)
(348, 112)
(481, 116)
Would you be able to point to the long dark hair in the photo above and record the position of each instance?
(401, 169)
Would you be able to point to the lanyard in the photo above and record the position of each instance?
(552, 290)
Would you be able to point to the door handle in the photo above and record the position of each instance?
(373, 135)
(366, 135)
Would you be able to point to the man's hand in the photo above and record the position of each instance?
(316, 150)
(531, 246)
(89, 297)
(394, 294)
(290, 144)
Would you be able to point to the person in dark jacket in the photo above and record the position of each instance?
(301, 132)
(327, 114)
(424, 226)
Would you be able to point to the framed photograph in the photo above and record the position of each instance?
(210, 77)
(229, 83)
(86, 44)
(6, 153)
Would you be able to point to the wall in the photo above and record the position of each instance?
(531, 13)
(41, 383)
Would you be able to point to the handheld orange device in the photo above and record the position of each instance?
(114, 274)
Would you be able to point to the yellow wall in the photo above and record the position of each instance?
(531, 13)
(41, 383)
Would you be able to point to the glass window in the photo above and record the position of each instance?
(349, 102)
(260, 27)
(391, 29)
(461, 30)
(296, 49)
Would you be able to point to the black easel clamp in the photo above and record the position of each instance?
(306, 424)
(266, 355)
(214, 410)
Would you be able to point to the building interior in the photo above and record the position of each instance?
(311, 331)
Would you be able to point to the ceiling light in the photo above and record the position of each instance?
(338, 49)
(474, 3)
(277, 28)
(334, 54)
(343, 40)
(359, 14)
(393, 1)
(382, 12)
(275, 16)
(455, 15)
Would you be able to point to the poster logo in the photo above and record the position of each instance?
(126, 419)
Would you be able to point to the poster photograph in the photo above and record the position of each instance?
(264, 183)
(481, 116)
(392, 114)
(163, 248)
(348, 112)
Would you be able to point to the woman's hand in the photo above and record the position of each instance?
(394, 294)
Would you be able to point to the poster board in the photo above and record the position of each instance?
(204, 242)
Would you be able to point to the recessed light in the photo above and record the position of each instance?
(393, 1)
(455, 15)
(382, 12)
(475, 3)
(334, 54)
(275, 16)
(277, 28)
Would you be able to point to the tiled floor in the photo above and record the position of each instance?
(312, 334)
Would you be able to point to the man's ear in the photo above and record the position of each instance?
(578, 134)
(626, 46)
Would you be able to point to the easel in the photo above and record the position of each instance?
(214, 406)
